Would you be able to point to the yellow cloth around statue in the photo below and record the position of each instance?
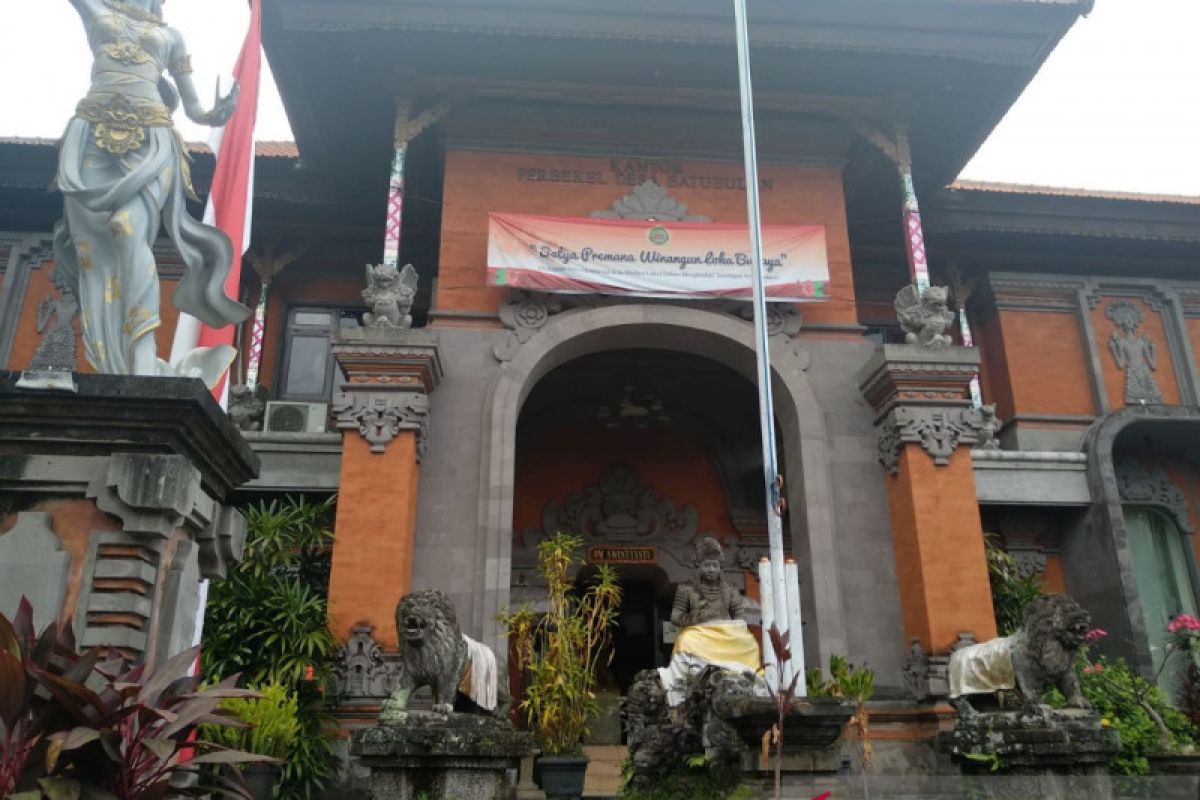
(725, 643)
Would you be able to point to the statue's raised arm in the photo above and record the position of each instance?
(124, 177)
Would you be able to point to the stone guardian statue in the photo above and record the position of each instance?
(124, 174)
(709, 610)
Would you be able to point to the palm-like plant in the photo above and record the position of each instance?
(561, 649)
(268, 620)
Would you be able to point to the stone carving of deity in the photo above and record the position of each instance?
(708, 597)
(56, 323)
(1134, 352)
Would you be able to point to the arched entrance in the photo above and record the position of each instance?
(721, 338)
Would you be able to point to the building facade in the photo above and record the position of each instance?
(511, 414)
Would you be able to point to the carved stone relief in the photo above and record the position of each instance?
(56, 324)
(525, 313)
(939, 431)
(380, 416)
(362, 671)
(1134, 353)
(649, 201)
(620, 509)
(1146, 484)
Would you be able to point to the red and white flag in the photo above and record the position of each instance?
(230, 200)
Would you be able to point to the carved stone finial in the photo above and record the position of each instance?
(924, 316)
(390, 293)
(649, 201)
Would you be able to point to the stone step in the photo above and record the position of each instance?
(604, 770)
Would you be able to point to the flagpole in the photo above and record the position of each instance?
(766, 404)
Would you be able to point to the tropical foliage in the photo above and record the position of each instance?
(74, 725)
(268, 620)
(561, 649)
(1011, 591)
(271, 719)
(856, 684)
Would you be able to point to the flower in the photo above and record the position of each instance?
(1184, 622)
(1095, 634)
(1105, 722)
(1092, 669)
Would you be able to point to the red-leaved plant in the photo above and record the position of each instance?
(87, 726)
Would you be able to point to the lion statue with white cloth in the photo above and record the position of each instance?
(1039, 655)
(709, 612)
(434, 652)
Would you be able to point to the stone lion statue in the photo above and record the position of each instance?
(1039, 655)
(390, 293)
(924, 316)
(461, 672)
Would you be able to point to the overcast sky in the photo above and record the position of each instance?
(1116, 107)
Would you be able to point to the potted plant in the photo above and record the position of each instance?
(272, 724)
(559, 652)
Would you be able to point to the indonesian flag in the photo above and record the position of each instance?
(231, 198)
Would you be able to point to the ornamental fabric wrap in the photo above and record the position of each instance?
(724, 643)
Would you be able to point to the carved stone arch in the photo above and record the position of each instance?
(716, 336)
(1097, 557)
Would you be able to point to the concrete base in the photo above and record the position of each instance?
(112, 505)
(441, 757)
(1055, 755)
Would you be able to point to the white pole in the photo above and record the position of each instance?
(766, 600)
(792, 580)
(766, 406)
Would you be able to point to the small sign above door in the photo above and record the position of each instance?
(610, 554)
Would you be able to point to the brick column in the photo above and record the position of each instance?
(383, 410)
(926, 426)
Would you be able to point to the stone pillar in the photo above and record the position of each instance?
(927, 424)
(112, 506)
(383, 410)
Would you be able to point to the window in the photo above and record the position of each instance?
(308, 370)
(1163, 572)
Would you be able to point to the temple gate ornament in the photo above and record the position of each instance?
(939, 431)
(649, 201)
(1134, 353)
(362, 671)
(1145, 484)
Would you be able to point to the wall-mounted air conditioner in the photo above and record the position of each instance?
(286, 416)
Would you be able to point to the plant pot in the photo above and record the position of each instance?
(261, 779)
(561, 777)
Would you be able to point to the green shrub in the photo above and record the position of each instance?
(1011, 592)
(268, 621)
(272, 718)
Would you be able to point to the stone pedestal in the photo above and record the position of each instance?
(810, 733)
(113, 506)
(441, 757)
(383, 412)
(1054, 755)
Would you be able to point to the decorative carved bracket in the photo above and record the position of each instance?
(379, 417)
(939, 431)
(390, 373)
(1146, 484)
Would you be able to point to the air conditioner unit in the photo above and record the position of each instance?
(285, 416)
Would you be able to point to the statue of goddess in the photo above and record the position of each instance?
(123, 172)
(1134, 352)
